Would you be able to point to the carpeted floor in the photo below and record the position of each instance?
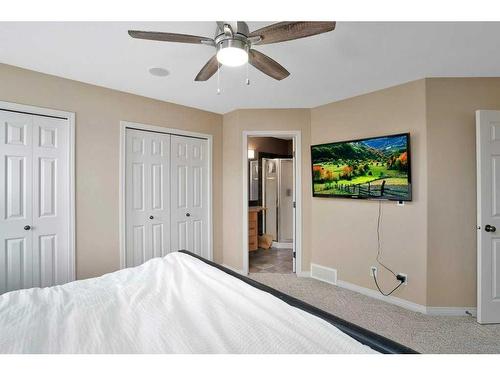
(424, 333)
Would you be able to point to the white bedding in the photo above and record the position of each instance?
(175, 304)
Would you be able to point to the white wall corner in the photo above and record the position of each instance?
(325, 274)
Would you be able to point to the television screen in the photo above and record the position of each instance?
(371, 168)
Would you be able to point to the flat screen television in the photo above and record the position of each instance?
(369, 168)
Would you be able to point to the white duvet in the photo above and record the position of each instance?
(175, 304)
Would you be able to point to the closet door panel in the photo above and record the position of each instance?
(16, 200)
(190, 195)
(158, 228)
(158, 244)
(51, 185)
(147, 179)
(181, 194)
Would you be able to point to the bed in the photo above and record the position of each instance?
(181, 303)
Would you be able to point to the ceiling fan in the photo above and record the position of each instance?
(234, 44)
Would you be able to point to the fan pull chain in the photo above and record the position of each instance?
(247, 81)
(218, 78)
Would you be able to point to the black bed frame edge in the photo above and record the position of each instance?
(373, 340)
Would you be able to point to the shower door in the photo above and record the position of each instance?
(285, 201)
(270, 197)
(277, 194)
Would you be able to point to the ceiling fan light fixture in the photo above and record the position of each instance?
(233, 42)
(232, 52)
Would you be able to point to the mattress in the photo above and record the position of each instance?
(175, 304)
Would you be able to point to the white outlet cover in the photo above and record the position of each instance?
(406, 276)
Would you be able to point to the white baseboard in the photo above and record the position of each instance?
(412, 306)
(329, 275)
(322, 273)
(235, 270)
(282, 245)
(451, 311)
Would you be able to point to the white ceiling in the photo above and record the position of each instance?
(354, 59)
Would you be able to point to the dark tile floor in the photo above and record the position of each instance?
(271, 261)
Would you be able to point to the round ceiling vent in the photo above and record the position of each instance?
(158, 72)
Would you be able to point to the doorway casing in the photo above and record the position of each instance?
(295, 135)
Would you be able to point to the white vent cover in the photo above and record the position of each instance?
(328, 275)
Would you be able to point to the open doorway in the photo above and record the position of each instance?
(270, 186)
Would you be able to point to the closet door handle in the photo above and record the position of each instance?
(151, 217)
(27, 227)
(188, 214)
(490, 228)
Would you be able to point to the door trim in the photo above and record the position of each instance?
(296, 135)
(70, 117)
(159, 129)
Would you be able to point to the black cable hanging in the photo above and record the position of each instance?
(379, 219)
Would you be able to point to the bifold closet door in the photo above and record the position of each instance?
(189, 171)
(147, 198)
(34, 201)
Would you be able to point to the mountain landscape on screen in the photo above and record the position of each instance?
(376, 168)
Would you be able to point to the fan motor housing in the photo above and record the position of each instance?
(233, 43)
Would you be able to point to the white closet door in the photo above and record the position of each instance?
(51, 247)
(34, 201)
(147, 196)
(189, 171)
(16, 206)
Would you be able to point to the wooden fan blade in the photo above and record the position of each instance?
(170, 37)
(267, 65)
(283, 31)
(208, 70)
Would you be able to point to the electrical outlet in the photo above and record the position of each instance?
(373, 271)
(405, 276)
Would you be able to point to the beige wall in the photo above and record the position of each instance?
(258, 119)
(432, 239)
(451, 259)
(98, 114)
(343, 232)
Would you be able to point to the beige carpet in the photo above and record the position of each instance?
(426, 334)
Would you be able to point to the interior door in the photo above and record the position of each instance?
(488, 216)
(34, 201)
(147, 179)
(189, 172)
